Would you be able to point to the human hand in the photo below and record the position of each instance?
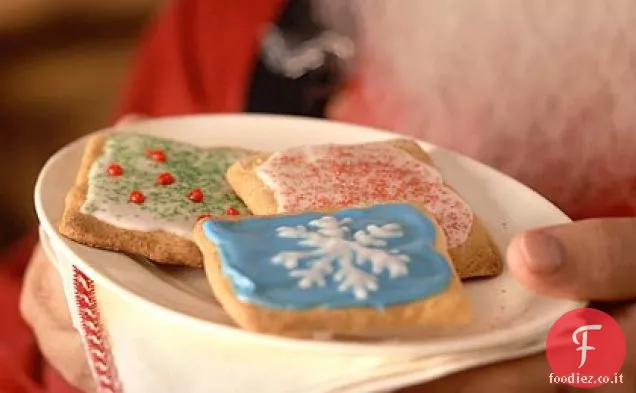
(587, 260)
(44, 307)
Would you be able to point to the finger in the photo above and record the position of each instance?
(586, 260)
(528, 375)
(64, 351)
(43, 300)
(44, 308)
(130, 119)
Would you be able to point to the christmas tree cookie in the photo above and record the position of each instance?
(354, 270)
(311, 178)
(143, 195)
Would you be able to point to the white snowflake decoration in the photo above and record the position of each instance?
(332, 242)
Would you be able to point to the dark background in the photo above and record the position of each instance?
(62, 66)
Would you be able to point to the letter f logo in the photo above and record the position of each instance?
(583, 344)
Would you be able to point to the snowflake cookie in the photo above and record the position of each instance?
(367, 261)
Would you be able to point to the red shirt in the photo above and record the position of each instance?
(196, 58)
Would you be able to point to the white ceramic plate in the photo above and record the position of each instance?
(505, 311)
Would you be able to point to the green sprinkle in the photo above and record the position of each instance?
(191, 166)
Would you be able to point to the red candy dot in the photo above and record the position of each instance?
(232, 212)
(157, 155)
(165, 179)
(196, 195)
(137, 197)
(204, 216)
(115, 170)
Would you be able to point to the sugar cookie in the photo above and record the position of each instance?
(142, 195)
(343, 272)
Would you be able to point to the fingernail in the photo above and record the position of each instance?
(544, 254)
(129, 119)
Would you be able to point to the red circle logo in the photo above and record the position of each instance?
(586, 348)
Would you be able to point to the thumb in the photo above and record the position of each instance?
(130, 119)
(586, 260)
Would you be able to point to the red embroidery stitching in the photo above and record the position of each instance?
(94, 334)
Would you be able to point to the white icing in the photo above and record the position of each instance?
(133, 220)
(301, 180)
(129, 216)
(330, 244)
(164, 209)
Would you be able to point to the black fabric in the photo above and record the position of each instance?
(307, 95)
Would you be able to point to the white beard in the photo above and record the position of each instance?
(530, 86)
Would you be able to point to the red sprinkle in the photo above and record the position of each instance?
(196, 195)
(115, 170)
(341, 176)
(232, 212)
(165, 179)
(157, 155)
(203, 217)
(137, 197)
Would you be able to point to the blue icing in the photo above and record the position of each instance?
(269, 260)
